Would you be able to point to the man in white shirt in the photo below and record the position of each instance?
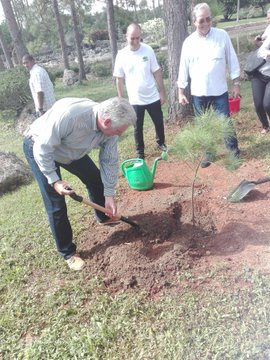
(205, 55)
(40, 85)
(62, 138)
(137, 64)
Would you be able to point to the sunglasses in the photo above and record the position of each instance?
(208, 19)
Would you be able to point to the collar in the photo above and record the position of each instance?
(204, 36)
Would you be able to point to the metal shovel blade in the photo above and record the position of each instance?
(241, 191)
(244, 188)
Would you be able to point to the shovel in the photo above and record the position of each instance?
(79, 198)
(244, 188)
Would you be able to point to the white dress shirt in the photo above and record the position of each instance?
(204, 59)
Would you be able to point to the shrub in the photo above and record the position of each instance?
(52, 74)
(55, 73)
(163, 42)
(101, 70)
(154, 46)
(14, 89)
(163, 63)
(155, 28)
(99, 35)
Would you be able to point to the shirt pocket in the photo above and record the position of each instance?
(216, 54)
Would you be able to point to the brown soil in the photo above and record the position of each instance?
(168, 245)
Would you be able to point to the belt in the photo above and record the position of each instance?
(30, 137)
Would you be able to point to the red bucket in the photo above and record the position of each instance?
(234, 104)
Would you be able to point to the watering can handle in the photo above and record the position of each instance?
(122, 167)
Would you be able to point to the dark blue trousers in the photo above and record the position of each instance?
(86, 170)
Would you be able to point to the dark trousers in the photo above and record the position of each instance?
(155, 112)
(221, 105)
(261, 97)
(86, 170)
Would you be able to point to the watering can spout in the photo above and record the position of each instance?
(163, 156)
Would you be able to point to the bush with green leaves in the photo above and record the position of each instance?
(163, 63)
(154, 46)
(14, 89)
(154, 28)
(99, 35)
(101, 69)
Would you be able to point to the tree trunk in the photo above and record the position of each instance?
(111, 29)
(2, 65)
(5, 50)
(61, 34)
(14, 30)
(154, 8)
(77, 36)
(175, 18)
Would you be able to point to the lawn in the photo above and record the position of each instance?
(49, 312)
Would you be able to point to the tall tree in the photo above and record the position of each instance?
(111, 29)
(176, 19)
(5, 50)
(20, 48)
(2, 65)
(61, 33)
(78, 40)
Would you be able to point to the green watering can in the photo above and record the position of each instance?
(138, 175)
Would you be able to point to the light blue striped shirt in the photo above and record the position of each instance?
(67, 132)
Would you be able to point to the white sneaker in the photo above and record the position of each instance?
(75, 263)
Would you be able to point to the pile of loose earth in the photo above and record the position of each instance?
(167, 244)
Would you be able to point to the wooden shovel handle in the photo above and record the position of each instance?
(79, 198)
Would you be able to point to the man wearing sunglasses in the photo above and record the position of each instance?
(138, 66)
(206, 55)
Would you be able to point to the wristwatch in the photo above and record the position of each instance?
(237, 83)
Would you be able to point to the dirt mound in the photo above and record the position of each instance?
(167, 244)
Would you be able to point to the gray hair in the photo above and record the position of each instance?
(118, 110)
(199, 7)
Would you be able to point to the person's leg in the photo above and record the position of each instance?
(221, 106)
(266, 100)
(138, 130)
(87, 171)
(156, 115)
(55, 206)
(259, 94)
(200, 104)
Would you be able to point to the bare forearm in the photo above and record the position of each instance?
(120, 86)
(160, 84)
(159, 80)
(40, 96)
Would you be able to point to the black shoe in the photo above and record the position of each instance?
(206, 161)
(236, 153)
(162, 147)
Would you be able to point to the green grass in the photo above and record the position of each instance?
(48, 312)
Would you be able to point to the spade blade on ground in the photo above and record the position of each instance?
(244, 188)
